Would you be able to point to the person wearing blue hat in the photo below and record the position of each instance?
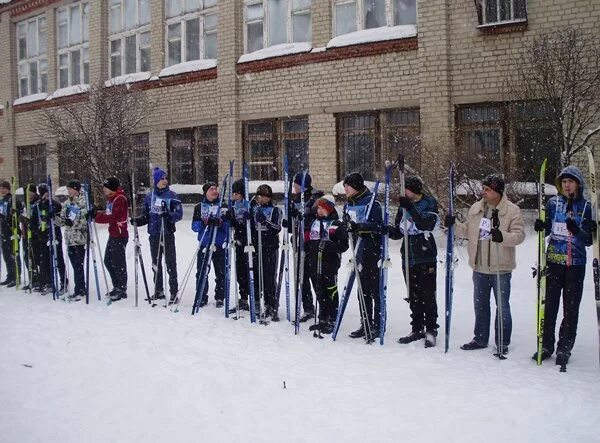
(161, 211)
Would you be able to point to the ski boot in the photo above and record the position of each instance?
(430, 339)
(413, 336)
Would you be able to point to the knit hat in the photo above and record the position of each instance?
(414, 184)
(265, 191)
(206, 186)
(307, 180)
(5, 185)
(238, 186)
(158, 174)
(327, 202)
(74, 184)
(355, 181)
(32, 188)
(112, 183)
(42, 188)
(495, 182)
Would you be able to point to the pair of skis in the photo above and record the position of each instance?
(595, 246)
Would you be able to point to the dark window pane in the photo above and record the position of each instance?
(181, 150)
(491, 11)
(207, 167)
(520, 9)
(32, 164)
(358, 139)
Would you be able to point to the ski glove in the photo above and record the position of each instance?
(384, 229)
(405, 202)
(449, 220)
(496, 235)
(213, 221)
(69, 222)
(572, 226)
(260, 217)
(539, 225)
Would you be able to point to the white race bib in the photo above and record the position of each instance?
(560, 228)
(158, 203)
(485, 226)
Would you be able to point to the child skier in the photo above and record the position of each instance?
(569, 224)
(115, 216)
(327, 241)
(267, 224)
(422, 216)
(7, 207)
(207, 216)
(73, 217)
(162, 208)
(368, 230)
(31, 241)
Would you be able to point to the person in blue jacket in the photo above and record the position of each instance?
(208, 215)
(422, 217)
(367, 228)
(162, 209)
(569, 225)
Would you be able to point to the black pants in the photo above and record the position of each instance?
(422, 300)
(31, 256)
(9, 259)
(325, 286)
(218, 262)
(369, 279)
(45, 260)
(241, 271)
(269, 270)
(77, 258)
(170, 259)
(115, 262)
(569, 282)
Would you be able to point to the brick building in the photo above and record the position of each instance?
(340, 85)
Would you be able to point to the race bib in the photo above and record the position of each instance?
(73, 212)
(158, 203)
(3, 208)
(108, 209)
(560, 228)
(485, 226)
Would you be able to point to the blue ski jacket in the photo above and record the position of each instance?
(159, 203)
(207, 215)
(368, 228)
(556, 216)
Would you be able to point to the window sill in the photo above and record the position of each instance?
(321, 55)
(503, 27)
(187, 67)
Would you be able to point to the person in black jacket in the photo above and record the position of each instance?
(6, 211)
(421, 217)
(328, 240)
(237, 215)
(266, 221)
(32, 245)
(308, 213)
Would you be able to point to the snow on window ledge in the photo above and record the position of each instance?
(191, 66)
(30, 98)
(127, 78)
(373, 35)
(69, 90)
(276, 51)
(519, 21)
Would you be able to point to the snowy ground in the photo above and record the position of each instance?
(77, 373)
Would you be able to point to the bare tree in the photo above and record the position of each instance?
(562, 68)
(94, 135)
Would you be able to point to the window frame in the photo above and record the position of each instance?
(38, 59)
(360, 14)
(182, 20)
(197, 139)
(123, 34)
(291, 13)
(35, 155)
(481, 6)
(83, 47)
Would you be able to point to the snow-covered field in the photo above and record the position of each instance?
(77, 373)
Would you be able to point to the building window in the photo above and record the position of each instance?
(32, 65)
(366, 140)
(129, 36)
(266, 142)
(511, 138)
(273, 22)
(355, 15)
(141, 159)
(191, 30)
(193, 154)
(501, 11)
(32, 164)
(72, 30)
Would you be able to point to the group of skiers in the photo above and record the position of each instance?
(493, 227)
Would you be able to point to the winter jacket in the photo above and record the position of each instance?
(240, 212)
(269, 229)
(74, 209)
(556, 216)
(309, 211)
(41, 217)
(421, 220)
(115, 215)
(329, 237)
(368, 228)
(159, 202)
(483, 257)
(6, 212)
(206, 215)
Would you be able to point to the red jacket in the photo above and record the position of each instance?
(115, 215)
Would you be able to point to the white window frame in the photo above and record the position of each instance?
(82, 47)
(360, 12)
(122, 35)
(265, 21)
(39, 58)
(200, 14)
(512, 18)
